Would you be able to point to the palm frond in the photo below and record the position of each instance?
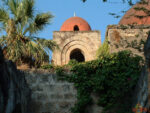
(20, 15)
(28, 15)
(13, 5)
(4, 16)
(16, 45)
(14, 50)
(47, 43)
(2, 41)
(40, 21)
(37, 52)
(29, 8)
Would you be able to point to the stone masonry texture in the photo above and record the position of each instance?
(133, 38)
(87, 41)
(127, 37)
(49, 95)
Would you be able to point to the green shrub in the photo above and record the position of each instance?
(103, 50)
(50, 66)
(112, 77)
(73, 62)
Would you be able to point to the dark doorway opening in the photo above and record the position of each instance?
(77, 55)
(76, 28)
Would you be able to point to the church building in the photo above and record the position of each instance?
(75, 40)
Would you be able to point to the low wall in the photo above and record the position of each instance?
(48, 94)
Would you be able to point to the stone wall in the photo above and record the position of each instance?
(134, 38)
(125, 37)
(48, 94)
(87, 41)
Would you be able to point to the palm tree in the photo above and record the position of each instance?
(19, 21)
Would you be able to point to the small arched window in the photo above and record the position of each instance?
(76, 28)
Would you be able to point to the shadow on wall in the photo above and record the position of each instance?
(14, 92)
(147, 57)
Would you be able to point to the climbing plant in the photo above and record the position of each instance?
(103, 50)
(112, 77)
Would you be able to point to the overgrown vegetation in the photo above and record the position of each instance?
(49, 66)
(72, 62)
(103, 50)
(111, 77)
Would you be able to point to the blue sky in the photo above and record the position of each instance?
(95, 12)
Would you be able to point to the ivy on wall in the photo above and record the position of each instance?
(103, 49)
(111, 77)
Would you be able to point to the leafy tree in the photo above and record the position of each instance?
(130, 2)
(20, 22)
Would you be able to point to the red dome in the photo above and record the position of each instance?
(75, 24)
(130, 16)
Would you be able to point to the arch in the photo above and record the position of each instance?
(77, 55)
(70, 46)
(76, 28)
(66, 54)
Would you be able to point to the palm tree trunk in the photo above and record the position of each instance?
(11, 28)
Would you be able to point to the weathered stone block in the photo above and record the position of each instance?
(69, 96)
(66, 87)
(35, 106)
(37, 88)
(64, 104)
(131, 38)
(44, 78)
(52, 96)
(56, 96)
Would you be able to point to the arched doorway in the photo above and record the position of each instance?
(76, 28)
(77, 55)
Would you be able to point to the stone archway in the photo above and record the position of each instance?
(77, 55)
(69, 47)
(87, 42)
